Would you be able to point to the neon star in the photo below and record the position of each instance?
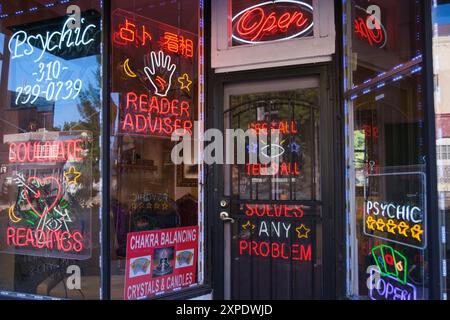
(371, 223)
(391, 226)
(402, 228)
(252, 148)
(295, 147)
(416, 232)
(72, 176)
(248, 225)
(185, 82)
(303, 232)
(380, 225)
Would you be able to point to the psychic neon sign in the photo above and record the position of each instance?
(23, 44)
(402, 221)
(272, 21)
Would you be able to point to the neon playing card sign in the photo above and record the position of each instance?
(390, 262)
(392, 282)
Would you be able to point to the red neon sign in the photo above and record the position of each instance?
(137, 34)
(273, 21)
(154, 115)
(64, 241)
(274, 211)
(131, 33)
(375, 36)
(276, 250)
(273, 169)
(285, 127)
(46, 151)
(178, 44)
(39, 195)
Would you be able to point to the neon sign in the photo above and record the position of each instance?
(41, 217)
(394, 221)
(159, 69)
(285, 127)
(370, 28)
(388, 288)
(48, 213)
(47, 82)
(272, 21)
(46, 151)
(275, 250)
(273, 169)
(274, 211)
(22, 44)
(178, 44)
(154, 115)
(129, 33)
(137, 34)
(391, 262)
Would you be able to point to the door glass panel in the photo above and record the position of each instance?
(276, 237)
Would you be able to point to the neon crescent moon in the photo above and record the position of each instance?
(12, 216)
(127, 69)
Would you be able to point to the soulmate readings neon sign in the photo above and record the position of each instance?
(272, 21)
(48, 212)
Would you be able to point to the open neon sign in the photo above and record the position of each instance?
(272, 21)
(369, 27)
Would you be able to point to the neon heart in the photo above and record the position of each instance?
(38, 194)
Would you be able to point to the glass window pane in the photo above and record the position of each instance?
(383, 34)
(441, 20)
(156, 91)
(386, 190)
(50, 114)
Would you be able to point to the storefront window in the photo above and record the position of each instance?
(441, 20)
(386, 177)
(156, 205)
(50, 114)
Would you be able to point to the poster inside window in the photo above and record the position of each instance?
(50, 85)
(156, 93)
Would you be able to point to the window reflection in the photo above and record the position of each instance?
(155, 92)
(50, 151)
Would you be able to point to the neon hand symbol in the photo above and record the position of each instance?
(159, 70)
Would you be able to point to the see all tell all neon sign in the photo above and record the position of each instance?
(272, 21)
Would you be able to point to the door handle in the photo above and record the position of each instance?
(225, 217)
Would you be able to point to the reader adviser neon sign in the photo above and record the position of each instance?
(272, 21)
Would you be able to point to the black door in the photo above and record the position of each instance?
(274, 221)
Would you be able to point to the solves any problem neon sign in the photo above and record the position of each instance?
(272, 21)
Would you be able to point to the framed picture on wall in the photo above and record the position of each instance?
(187, 175)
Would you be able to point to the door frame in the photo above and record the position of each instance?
(332, 179)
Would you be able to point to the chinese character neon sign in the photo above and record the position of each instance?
(272, 21)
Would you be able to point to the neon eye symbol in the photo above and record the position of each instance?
(275, 150)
